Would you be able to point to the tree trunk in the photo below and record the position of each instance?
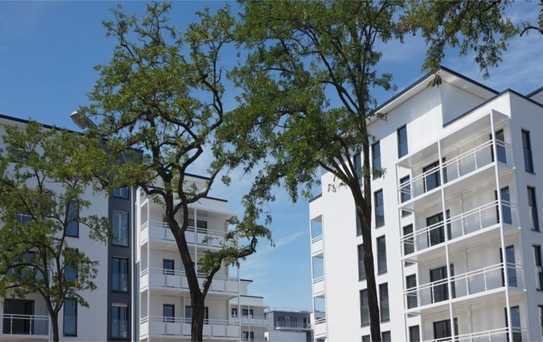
(198, 317)
(54, 327)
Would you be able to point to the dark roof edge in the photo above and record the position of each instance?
(246, 280)
(26, 121)
(466, 78)
(317, 196)
(538, 90)
(249, 296)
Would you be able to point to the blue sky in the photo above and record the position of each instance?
(47, 54)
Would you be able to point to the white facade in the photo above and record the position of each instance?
(444, 277)
(164, 297)
(30, 321)
(250, 311)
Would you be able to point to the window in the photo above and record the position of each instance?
(316, 228)
(319, 307)
(366, 338)
(361, 267)
(538, 266)
(119, 320)
(532, 204)
(409, 240)
(402, 141)
(381, 255)
(69, 324)
(411, 283)
(317, 262)
(357, 163)
(385, 336)
(120, 228)
(414, 334)
(527, 149)
(121, 192)
(248, 336)
(358, 223)
(515, 323)
(379, 208)
(364, 308)
(70, 268)
(23, 218)
(405, 188)
(540, 307)
(168, 266)
(119, 274)
(431, 176)
(234, 312)
(376, 159)
(72, 214)
(168, 313)
(442, 329)
(383, 300)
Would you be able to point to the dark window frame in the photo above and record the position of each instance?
(376, 162)
(532, 202)
(126, 307)
(527, 151)
(364, 308)
(120, 242)
(382, 264)
(64, 319)
(120, 260)
(379, 212)
(384, 310)
(118, 193)
(71, 222)
(402, 138)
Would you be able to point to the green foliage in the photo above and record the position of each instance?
(42, 173)
(162, 94)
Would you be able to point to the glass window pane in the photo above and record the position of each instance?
(379, 208)
(120, 228)
(381, 255)
(72, 213)
(119, 321)
(316, 228)
(70, 317)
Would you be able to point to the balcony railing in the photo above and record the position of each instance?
(176, 279)
(35, 325)
(161, 231)
(254, 322)
(493, 335)
(176, 326)
(458, 226)
(461, 165)
(462, 285)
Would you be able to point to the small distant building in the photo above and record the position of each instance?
(288, 326)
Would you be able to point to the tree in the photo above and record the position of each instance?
(45, 182)
(308, 90)
(162, 94)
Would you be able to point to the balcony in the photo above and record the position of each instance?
(320, 328)
(493, 335)
(172, 327)
(466, 225)
(24, 327)
(254, 322)
(175, 281)
(161, 235)
(478, 160)
(481, 282)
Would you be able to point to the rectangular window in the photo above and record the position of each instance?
(72, 215)
(527, 149)
(119, 274)
(366, 338)
(414, 334)
(409, 240)
(381, 255)
(168, 266)
(361, 267)
(515, 322)
(411, 283)
(120, 228)
(385, 336)
(538, 266)
(119, 321)
(317, 263)
(23, 218)
(364, 308)
(357, 163)
(402, 141)
(405, 186)
(383, 300)
(69, 323)
(316, 228)
(532, 205)
(234, 312)
(168, 312)
(431, 176)
(540, 307)
(379, 208)
(376, 159)
(121, 192)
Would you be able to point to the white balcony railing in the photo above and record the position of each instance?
(175, 326)
(457, 226)
(254, 322)
(33, 325)
(176, 279)
(493, 335)
(473, 282)
(461, 165)
(161, 231)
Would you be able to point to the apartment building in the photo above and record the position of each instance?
(287, 325)
(250, 311)
(110, 308)
(456, 226)
(164, 297)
